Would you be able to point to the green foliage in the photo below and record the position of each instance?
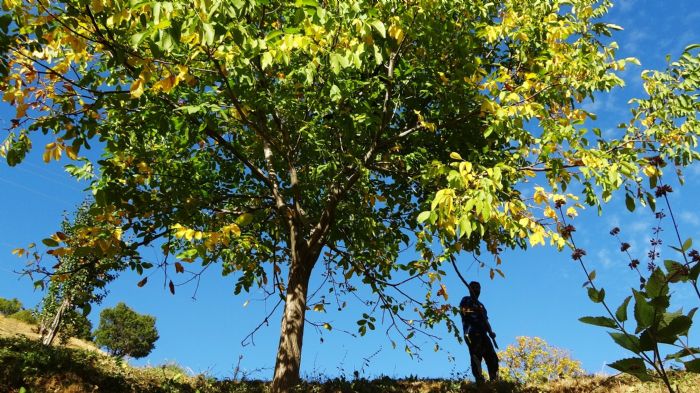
(656, 326)
(10, 306)
(531, 361)
(78, 280)
(27, 316)
(40, 368)
(77, 325)
(125, 332)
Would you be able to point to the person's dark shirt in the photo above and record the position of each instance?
(474, 316)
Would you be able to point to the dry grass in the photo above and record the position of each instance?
(11, 327)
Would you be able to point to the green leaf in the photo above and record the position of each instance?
(627, 341)
(265, 60)
(137, 38)
(307, 3)
(694, 272)
(335, 62)
(621, 313)
(687, 244)
(207, 34)
(596, 296)
(678, 326)
(335, 94)
(691, 47)
(656, 284)
(613, 26)
(244, 219)
(683, 353)
(677, 272)
(692, 366)
(49, 242)
(599, 321)
(629, 202)
(423, 216)
(643, 311)
(632, 366)
(379, 26)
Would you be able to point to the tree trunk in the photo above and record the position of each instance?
(288, 361)
(48, 334)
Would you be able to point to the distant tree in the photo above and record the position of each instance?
(124, 332)
(77, 282)
(10, 306)
(531, 361)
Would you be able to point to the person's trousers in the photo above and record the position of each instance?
(481, 348)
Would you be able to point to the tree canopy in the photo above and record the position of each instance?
(78, 280)
(124, 332)
(272, 136)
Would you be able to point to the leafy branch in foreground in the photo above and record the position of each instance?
(655, 324)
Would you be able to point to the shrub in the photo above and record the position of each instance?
(124, 332)
(533, 361)
(10, 306)
(26, 316)
(75, 325)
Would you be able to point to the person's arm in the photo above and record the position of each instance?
(489, 330)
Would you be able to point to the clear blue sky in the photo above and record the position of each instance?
(540, 296)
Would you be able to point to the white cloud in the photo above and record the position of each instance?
(627, 5)
(605, 258)
(690, 217)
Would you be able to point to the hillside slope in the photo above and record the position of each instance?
(80, 367)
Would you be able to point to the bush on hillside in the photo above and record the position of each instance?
(26, 316)
(75, 325)
(532, 361)
(124, 332)
(10, 306)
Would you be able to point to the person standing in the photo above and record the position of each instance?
(477, 329)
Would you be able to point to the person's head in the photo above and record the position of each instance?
(475, 288)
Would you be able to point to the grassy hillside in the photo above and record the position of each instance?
(80, 367)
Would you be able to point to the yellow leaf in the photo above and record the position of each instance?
(651, 171)
(442, 291)
(396, 33)
(571, 212)
(71, 153)
(319, 307)
(232, 229)
(537, 237)
(136, 89)
(56, 153)
(97, 6)
(21, 110)
(549, 212)
(18, 251)
(166, 84)
(540, 195)
(455, 156)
